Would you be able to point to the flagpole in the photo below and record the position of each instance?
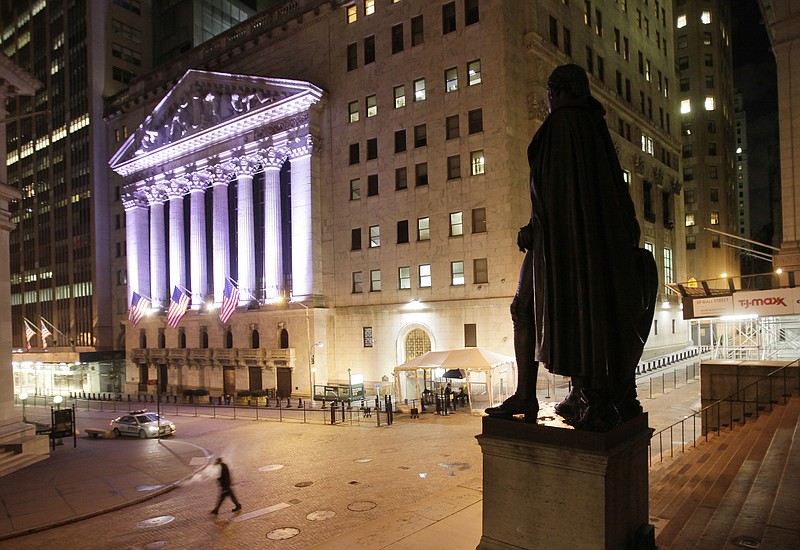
(231, 279)
(30, 323)
(52, 326)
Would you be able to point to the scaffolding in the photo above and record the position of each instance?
(753, 338)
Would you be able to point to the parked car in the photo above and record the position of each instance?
(142, 424)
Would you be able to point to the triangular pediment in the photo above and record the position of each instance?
(207, 108)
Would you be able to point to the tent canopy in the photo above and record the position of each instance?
(466, 358)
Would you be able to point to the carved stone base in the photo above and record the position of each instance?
(554, 487)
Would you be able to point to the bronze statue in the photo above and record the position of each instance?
(586, 294)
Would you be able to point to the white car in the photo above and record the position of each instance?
(142, 424)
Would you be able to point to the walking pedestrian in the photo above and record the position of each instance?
(225, 489)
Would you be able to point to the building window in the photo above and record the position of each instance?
(457, 273)
(352, 110)
(404, 278)
(714, 217)
(705, 17)
(668, 278)
(420, 135)
(453, 167)
(417, 31)
(352, 14)
(681, 20)
(471, 12)
(688, 196)
(598, 22)
(456, 224)
(419, 89)
(554, 31)
(687, 151)
(712, 148)
(451, 80)
(399, 96)
(589, 60)
(691, 242)
(688, 173)
(626, 177)
(449, 18)
(402, 231)
(400, 141)
(451, 127)
(708, 60)
(354, 153)
(683, 41)
(477, 163)
(400, 178)
(690, 220)
(649, 214)
(355, 189)
(686, 128)
(480, 271)
(369, 7)
(355, 239)
(686, 106)
(711, 126)
(423, 229)
(352, 56)
(567, 42)
(421, 174)
(713, 172)
(710, 103)
(374, 236)
(715, 243)
(475, 118)
(367, 336)
(474, 72)
(372, 106)
(397, 38)
(683, 63)
(714, 194)
(372, 148)
(424, 271)
(372, 185)
(369, 50)
(375, 280)
(470, 335)
(479, 220)
(357, 282)
(709, 82)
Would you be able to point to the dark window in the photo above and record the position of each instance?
(453, 167)
(712, 148)
(480, 271)
(402, 231)
(691, 242)
(666, 209)
(685, 84)
(397, 38)
(372, 185)
(475, 118)
(355, 239)
(687, 151)
(354, 153)
(401, 178)
(647, 188)
(400, 141)
(479, 220)
(421, 174)
(372, 148)
(420, 135)
(567, 42)
(352, 56)
(714, 194)
(417, 31)
(683, 63)
(471, 13)
(448, 18)
(369, 50)
(470, 335)
(554, 31)
(709, 60)
(451, 127)
(589, 60)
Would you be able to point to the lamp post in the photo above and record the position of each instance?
(311, 368)
(310, 346)
(57, 400)
(23, 396)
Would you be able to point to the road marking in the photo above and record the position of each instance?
(261, 512)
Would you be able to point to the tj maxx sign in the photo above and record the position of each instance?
(782, 301)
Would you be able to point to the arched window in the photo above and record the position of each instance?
(417, 343)
(284, 339)
(142, 339)
(162, 340)
(182, 340)
(254, 340)
(204, 339)
(228, 339)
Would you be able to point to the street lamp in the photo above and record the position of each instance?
(23, 396)
(57, 400)
(310, 346)
(312, 369)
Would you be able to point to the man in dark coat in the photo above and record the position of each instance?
(590, 291)
(225, 489)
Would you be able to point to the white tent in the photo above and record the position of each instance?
(489, 377)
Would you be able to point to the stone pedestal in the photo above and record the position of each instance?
(555, 487)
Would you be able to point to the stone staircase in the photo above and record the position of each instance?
(21, 447)
(738, 490)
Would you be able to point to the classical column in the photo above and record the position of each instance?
(158, 249)
(199, 283)
(245, 225)
(177, 243)
(138, 245)
(220, 238)
(272, 160)
(302, 238)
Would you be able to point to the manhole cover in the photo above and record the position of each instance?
(363, 460)
(148, 487)
(156, 545)
(361, 506)
(270, 468)
(320, 515)
(747, 542)
(155, 522)
(283, 533)
(304, 484)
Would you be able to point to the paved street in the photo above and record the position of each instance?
(304, 484)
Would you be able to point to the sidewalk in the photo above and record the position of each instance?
(98, 476)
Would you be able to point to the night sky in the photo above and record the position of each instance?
(755, 77)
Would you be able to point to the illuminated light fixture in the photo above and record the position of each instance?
(779, 271)
(414, 305)
(724, 275)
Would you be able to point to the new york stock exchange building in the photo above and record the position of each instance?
(359, 177)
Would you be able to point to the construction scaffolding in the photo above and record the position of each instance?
(752, 338)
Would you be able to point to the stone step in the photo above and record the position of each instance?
(20, 461)
(783, 529)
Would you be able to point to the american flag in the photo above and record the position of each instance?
(177, 307)
(29, 333)
(230, 299)
(45, 334)
(139, 307)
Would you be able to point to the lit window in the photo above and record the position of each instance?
(686, 106)
(456, 273)
(374, 236)
(626, 177)
(404, 278)
(423, 229)
(451, 80)
(689, 220)
(372, 106)
(357, 282)
(477, 162)
(705, 17)
(352, 14)
(425, 276)
(369, 7)
(419, 90)
(375, 280)
(710, 104)
(399, 96)
(668, 266)
(681, 20)
(474, 72)
(714, 217)
(352, 109)
(456, 224)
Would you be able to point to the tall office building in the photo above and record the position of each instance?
(358, 169)
(742, 166)
(705, 90)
